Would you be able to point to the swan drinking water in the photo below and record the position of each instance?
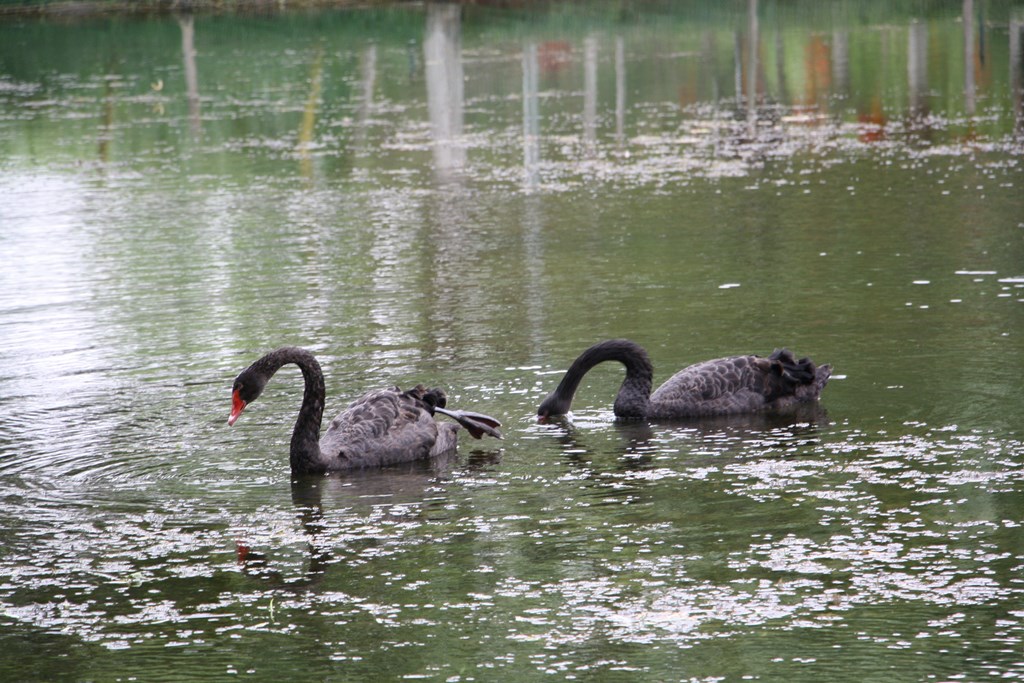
(723, 386)
(381, 427)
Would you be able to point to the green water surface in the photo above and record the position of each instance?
(470, 196)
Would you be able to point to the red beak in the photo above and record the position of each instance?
(237, 406)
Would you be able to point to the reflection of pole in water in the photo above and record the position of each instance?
(1017, 68)
(531, 115)
(308, 126)
(968, 20)
(590, 90)
(107, 129)
(737, 60)
(368, 80)
(620, 89)
(708, 50)
(368, 71)
(534, 263)
(840, 62)
(917, 67)
(188, 54)
(442, 54)
(780, 66)
(752, 47)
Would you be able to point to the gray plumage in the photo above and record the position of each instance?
(381, 427)
(723, 386)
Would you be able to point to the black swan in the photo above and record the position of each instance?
(723, 386)
(381, 427)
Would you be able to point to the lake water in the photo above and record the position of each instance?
(470, 198)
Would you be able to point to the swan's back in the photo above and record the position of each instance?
(739, 384)
(386, 427)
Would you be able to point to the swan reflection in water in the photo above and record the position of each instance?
(624, 465)
(639, 441)
(365, 495)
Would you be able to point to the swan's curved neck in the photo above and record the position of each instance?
(634, 394)
(305, 446)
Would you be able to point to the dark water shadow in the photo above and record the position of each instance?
(640, 440)
(803, 415)
(645, 452)
(362, 493)
(809, 413)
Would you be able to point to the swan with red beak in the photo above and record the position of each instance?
(381, 427)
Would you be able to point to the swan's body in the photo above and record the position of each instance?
(381, 427)
(723, 386)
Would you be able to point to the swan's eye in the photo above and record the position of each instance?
(241, 390)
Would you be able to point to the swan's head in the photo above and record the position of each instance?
(552, 406)
(246, 389)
